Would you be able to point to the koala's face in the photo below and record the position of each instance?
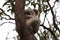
(30, 13)
(32, 21)
(27, 12)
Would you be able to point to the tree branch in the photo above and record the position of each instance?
(6, 22)
(54, 4)
(44, 18)
(10, 18)
(49, 30)
(55, 25)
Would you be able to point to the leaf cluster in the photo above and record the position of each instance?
(10, 4)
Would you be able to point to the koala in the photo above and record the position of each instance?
(32, 21)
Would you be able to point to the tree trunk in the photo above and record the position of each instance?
(20, 21)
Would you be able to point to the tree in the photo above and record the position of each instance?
(20, 21)
(18, 9)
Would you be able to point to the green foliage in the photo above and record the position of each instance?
(10, 4)
(45, 8)
(34, 4)
(28, 3)
(1, 12)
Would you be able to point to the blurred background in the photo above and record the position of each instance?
(49, 14)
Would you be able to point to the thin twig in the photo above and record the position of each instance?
(55, 25)
(6, 22)
(49, 30)
(7, 14)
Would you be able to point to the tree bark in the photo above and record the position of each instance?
(21, 27)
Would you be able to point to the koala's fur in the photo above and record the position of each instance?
(32, 21)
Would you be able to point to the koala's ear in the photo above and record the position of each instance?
(36, 11)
